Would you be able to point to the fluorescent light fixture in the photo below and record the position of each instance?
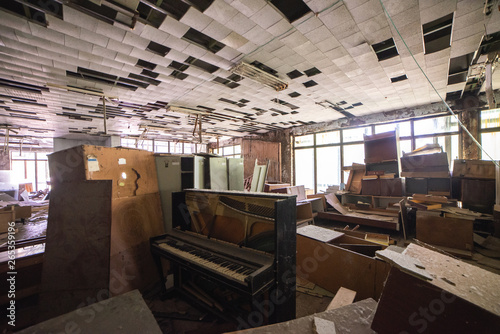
(256, 74)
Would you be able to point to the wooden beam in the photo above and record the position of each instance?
(343, 297)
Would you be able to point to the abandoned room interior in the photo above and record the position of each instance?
(250, 166)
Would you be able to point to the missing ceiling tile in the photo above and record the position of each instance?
(202, 64)
(178, 66)
(400, 78)
(294, 94)
(386, 49)
(207, 42)
(292, 9)
(437, 34)
(312, 71)
(310, 83)
(158, 49)
(294, 74)
(145, 64)
(150, 74)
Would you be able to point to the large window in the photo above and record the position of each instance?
(231, 151)
(31, 167)
(160, 146)
(321, 157)
(490, 133)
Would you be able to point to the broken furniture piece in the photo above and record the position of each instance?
(460, 298)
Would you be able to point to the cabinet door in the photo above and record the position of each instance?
(168, 169)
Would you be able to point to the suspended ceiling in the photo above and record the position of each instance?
(336, 56)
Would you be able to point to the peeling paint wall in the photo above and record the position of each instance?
(470, 119)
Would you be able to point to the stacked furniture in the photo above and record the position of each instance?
(382, 165)
(473, 183)
(426, 172)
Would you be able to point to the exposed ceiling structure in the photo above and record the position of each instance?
(162, 65)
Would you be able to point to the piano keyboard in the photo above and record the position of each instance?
(208, 260)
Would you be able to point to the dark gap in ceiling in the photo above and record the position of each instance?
(206, 108)
(158, 49)
(232, 85)
(346, 114)
(294, 74)
(202, 64)
(452, 96)
(221, 80)
(279, 111)
(201, 5)
(349, 107)
(23, 86)
(151, 14)
(30, 13)
(357, 104)
(124, 82)
(18, 99)
(294, 94)
(66, 108)
(312, 71)
(289, 105)
(264, 68)
(400, 78)
(490, 43)
(461, 63)
(150, 74)
(227, 101)
(457, 78)
(238, 112)
(144, 79)
(275, 114)
(29, 102)
(21, 111)
(294, 112)
(178, 66)
(385, 49)
(145, 64)
(100, 12)
(244, 101)
(203, 40)
(342, 103)
(178, 75)
(292, 9)
(176, 8)
(34, 118)
(84, 106)
(161, 103)
(235, 77)
(437, 34)
(310, 83)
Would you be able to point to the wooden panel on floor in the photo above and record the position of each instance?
(343, 297)
(74, 270)
(127, 313)
(448, 232)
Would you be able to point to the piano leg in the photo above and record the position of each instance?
(163, 279)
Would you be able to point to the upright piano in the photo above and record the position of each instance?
(238, 241)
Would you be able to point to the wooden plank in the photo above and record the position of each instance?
(319, 233)
(390, 225)
(263, 151)
(407, 264)
(323, 326)
(486, 291)
(126, 313)
(76, 262)
(448, 232)
(343, 297)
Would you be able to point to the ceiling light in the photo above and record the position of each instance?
(251, 72)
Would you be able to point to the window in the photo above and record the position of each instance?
(328, 171)
(161, 146)
(330, 152)
(355, 134)
(304, 167)
(436, 125)
(232, 151)
(31, 167)
(490, 133)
